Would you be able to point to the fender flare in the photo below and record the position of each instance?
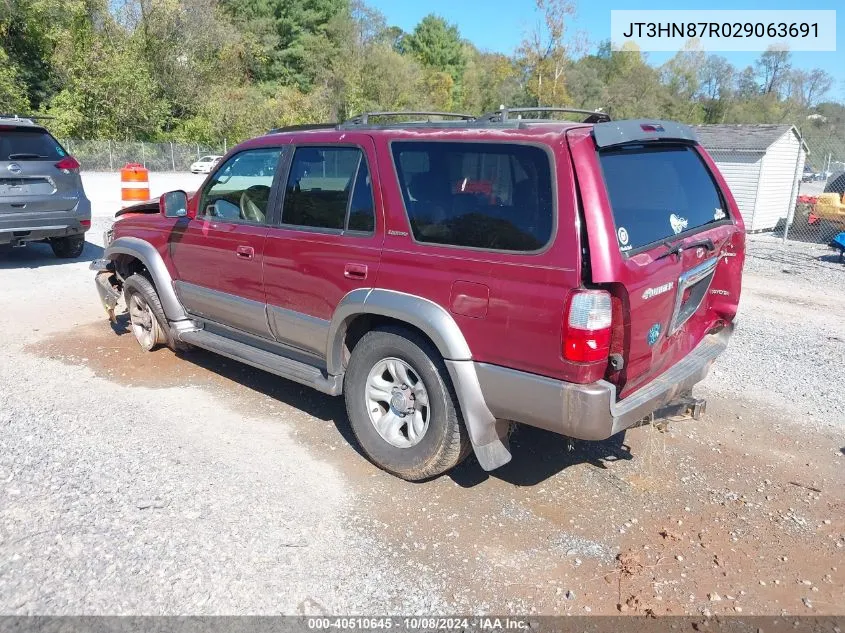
(152, 260)
(488, 436)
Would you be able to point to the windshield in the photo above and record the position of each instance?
(658, 192)
(29, 144)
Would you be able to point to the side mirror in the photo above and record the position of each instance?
(173, 204)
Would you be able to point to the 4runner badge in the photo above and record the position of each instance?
(678, 223)
(653, 334)
(659, 290)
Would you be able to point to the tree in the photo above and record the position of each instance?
(13, 96)
(809, 87)
(437, 44)
(746, 84)
(545, 53)
(716, 86)
(772, 68)
(279, 29)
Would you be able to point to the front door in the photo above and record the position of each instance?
(218, 254)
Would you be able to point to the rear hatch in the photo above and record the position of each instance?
(30, 181)
(663, 235)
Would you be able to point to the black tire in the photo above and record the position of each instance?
(161, 335)
(69, 247)
(445, 443)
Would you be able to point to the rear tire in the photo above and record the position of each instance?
(69, 247)
(401, 405)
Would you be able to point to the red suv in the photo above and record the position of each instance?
(449, 278)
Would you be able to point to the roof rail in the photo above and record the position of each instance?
(502, 115)
(364, 117)
(303, 128)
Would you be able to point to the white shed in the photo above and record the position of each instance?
(762, 165)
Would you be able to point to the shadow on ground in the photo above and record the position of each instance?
(537, 454)
(39, 254)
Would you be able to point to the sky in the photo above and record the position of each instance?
(499, 25)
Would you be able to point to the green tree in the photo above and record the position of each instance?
(545, 52)
(13, 97)
(437, 45)
(279, 30)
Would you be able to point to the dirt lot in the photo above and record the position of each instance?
(165, 484)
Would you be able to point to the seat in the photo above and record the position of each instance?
(252, 201)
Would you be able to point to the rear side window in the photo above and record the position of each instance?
(495, 196)
(19, 144)
(658, 192)
(329, 188)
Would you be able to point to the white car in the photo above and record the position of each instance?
(205, 164)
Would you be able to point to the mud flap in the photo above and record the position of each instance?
(489, 436)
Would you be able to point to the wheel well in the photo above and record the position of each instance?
(360, 324)
(127, 265)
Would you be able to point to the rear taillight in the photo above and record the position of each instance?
(86, 224)
(68, 164)
(587, 327)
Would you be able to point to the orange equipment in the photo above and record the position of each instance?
(134, 183)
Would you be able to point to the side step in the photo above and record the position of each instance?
(285, 367)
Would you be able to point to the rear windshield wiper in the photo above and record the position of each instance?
(24, 155)
(678, 247)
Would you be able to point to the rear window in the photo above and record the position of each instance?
(495, 196)
(28, 144)
(659, 192)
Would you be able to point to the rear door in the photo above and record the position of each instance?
(328, 241)
(665, 236)
(30, 182)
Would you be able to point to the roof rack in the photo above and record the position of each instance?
(303, 128)
(364, 118)
(503, 114)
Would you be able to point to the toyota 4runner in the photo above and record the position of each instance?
(450, 277)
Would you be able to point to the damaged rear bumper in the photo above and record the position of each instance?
(592, 412)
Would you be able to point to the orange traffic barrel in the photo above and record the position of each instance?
(134, 183)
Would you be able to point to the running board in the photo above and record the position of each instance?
(288, 368)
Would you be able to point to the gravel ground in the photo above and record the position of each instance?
(789, 345)
(136, 483)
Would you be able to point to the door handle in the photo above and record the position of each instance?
(355, 271)
(245, 252)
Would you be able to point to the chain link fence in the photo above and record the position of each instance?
(112, 155)
(789, 188)
(819, 213)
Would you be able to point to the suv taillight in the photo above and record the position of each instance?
(587, 326)
(68, 164)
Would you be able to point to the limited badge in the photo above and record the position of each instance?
(622, 236)
(653, 334)
(678, 223)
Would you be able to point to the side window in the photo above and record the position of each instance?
(240, 190)
(496, 196)
(329, 188)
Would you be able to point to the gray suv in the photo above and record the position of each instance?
(41, 194)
